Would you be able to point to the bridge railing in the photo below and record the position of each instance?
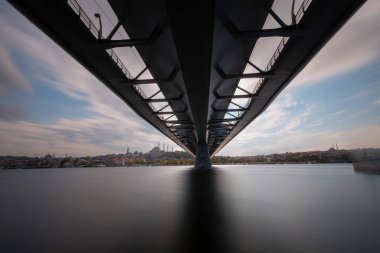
(83, 16)
(299, 14)
(94, 30)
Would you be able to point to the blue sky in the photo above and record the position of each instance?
(49, 103)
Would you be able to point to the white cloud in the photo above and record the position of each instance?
(112, 126)
(83, 137)
(289, 125)
(10, 77)
(283, 118)
(321, 120)
(301, 140)
(11, 113)
(354, 46)
(316, 123)
(359, 95)
(357, 114)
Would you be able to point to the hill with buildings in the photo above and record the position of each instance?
(164, 157)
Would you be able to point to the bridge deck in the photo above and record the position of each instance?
(196, 52)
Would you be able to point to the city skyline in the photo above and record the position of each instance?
(50, 102)
(130, 150)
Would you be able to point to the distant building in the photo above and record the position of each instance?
(155, 153)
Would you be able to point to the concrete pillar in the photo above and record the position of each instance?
(202, 159)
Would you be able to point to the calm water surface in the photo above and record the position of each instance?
(263, 208)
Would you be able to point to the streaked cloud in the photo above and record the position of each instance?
(321, 120)
(353, 47)
(359, 113)
(11, 113)
(84, 137)
(110, 126)
(10, 76)
(290, 123)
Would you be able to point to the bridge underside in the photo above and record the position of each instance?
(196, 52)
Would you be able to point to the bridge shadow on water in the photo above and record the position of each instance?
(196, 222)
(202, 227)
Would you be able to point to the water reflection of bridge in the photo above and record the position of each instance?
(195, 53)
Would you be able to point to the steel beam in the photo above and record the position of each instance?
(254, 66)
(219, 127)
(135, 81)
(285, 31)
(192, 28)
(172, 112)
(182, 122)
(108, 43)
(181, 127)
(217, 96)
(156, 100)
(230, 110)
(116, 27)
(264, 74)
(224, 120)
(275, 16)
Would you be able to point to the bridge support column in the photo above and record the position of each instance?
(202, 159)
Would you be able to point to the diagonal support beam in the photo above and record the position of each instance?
(239, 106)
(112, 33)
(135, 81)
(250, 95)
(180, 132)
(160, 110)
(156, 100)
(254, 66)
(283, 31)
(217, 135)
(232, 115)
(218, 126)
(141, 72)
(108, 43)
(182, 127)
(243, 90)
(264, 74)
(182, 122)
(275, 16)
(167, 119)
(238, 96)
(172, 112)
(223, 120)
(221, 128)
(154, 94)
(230, 110)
